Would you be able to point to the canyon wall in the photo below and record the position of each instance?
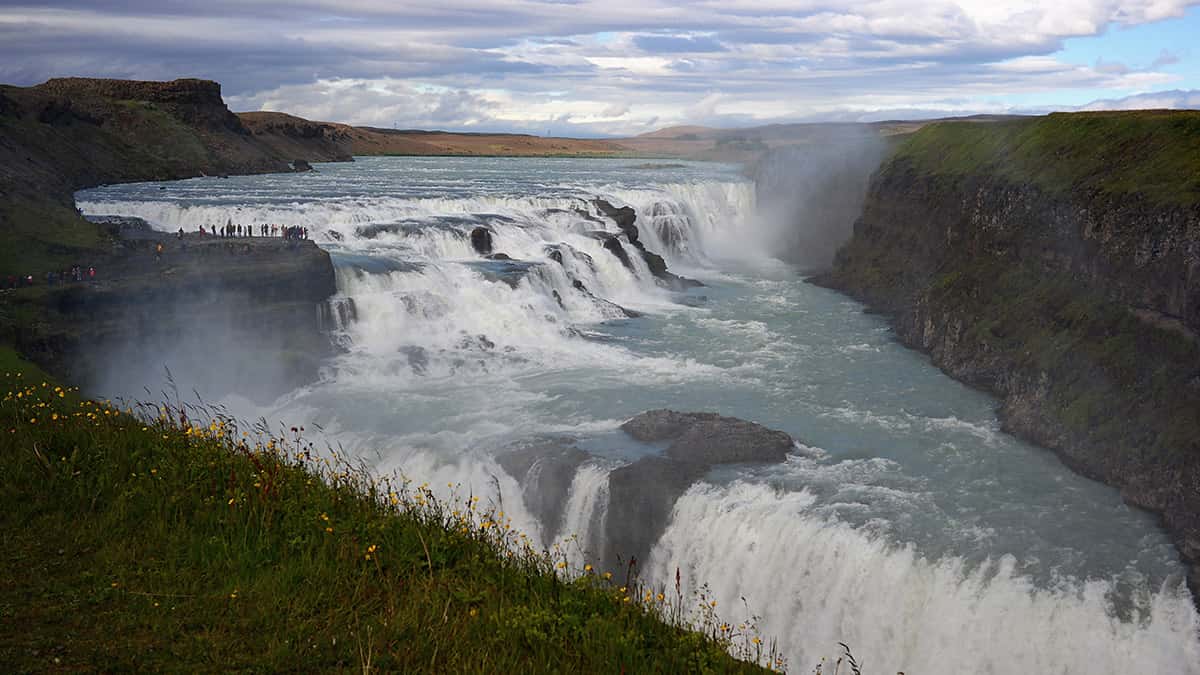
(1055, 262)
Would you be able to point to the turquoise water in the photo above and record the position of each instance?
(905, 523)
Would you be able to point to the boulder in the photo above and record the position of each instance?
(709, 438)
(481, 240)
(300, 166)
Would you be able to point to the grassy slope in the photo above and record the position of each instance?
(1152, 153)
(135, 546)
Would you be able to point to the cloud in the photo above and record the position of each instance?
(678, 43)
(1165, 58)
(589, 66)
(1175, 99)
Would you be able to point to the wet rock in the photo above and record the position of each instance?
(505, 270)
(556, 255)
(709, 438)
(498, 256)
(613, 245)
(300, 166)
(544, 466)
(481, 240)
(641, 497)
(624, 217)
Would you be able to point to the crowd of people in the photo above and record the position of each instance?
(74, 274)
(231, 230)
(80, 274)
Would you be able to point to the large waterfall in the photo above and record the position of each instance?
(905, 524)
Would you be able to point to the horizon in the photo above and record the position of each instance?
(587, 70)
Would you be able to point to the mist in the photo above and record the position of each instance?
(215, 347)
(810, 194)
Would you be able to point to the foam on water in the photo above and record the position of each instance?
(905, 523)
(815, 582)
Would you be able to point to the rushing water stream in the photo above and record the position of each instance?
(905, 524)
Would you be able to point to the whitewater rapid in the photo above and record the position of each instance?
(906, 524)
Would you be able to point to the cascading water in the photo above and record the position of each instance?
(907, 525)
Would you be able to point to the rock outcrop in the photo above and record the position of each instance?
(709, 438)
(225, 315)
(625, 218)
(642, 494)
(222, 315)
(1063, 276)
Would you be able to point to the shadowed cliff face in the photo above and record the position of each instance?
(1077, 307)
(221, 315)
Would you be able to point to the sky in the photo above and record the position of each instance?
(622, 67)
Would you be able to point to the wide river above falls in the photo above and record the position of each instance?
(905, 523)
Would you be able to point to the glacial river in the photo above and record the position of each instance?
(905, 523)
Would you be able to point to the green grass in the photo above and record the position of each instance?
(40, 235)
(1153, 154)
(194, 545)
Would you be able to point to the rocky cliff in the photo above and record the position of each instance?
(1055, 261)
(227, 315)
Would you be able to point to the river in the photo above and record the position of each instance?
(905, 523)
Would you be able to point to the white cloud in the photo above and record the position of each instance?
(595, 66)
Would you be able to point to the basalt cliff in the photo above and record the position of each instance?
(1055, 262)
(240, 314)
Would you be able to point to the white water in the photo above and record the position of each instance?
(908, 526)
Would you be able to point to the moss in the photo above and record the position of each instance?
(1152, 154)
(1114, 379)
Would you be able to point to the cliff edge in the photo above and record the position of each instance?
(144, 311)
(1055, 262)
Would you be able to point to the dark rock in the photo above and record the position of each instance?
(613, 245)
(578, 285)
(558, 299)
(729, 440)
(663, 425)
(624, 217)
(481, 240)
(544, 466)
(300, 166)
(709, 438)
(556, 255)
(641, 496)
(498, 256)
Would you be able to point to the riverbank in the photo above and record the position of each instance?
(1053, 262)
(142, 543)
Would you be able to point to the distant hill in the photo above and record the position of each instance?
(276, 126)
